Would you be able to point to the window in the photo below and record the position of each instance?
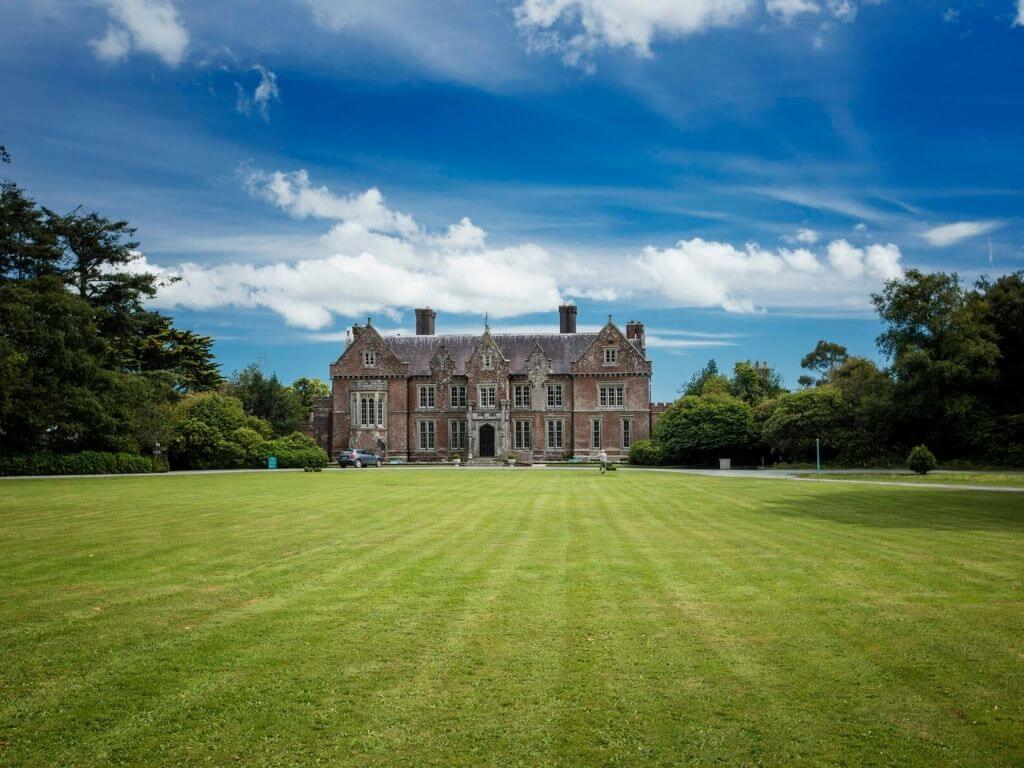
(611, 355)
(522, 435)
(426, 435)
(487, 396)
(369, 409)
(627, 433)
(611, 395)
(427, 396)
(522, 395)
(595, 429)
(554, 395)
(457, 435)
(369, 358)
(555, 428)
(486, 360)
(459, 396)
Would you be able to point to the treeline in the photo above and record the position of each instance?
(92, 380)
(953, 383)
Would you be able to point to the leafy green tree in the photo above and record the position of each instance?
(799, 418)
(309, 390)
(267, 398)
(822, 360)
(752, 385)
(945, 358)
(707, 381)
(921, 460)
(28, 246)
(700, 429)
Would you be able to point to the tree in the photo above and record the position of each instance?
(701, 429)
(945, 357)
(5, 157)
(267, 398)
(707, 381)
(752, 385)
(822, 360)
(28, 245)
(921, 460)
(309, 391)
(800, 418)
(187, 356)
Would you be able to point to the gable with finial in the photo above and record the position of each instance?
(442, 365)
(368, 355)
(611, 353)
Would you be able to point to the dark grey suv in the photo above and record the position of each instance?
(359, 458)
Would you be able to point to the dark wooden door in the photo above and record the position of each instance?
(487, 440)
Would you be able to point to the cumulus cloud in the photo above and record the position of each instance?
(376, 260)
(263, 94)
(1019, 21)
(950, 234)
(881, 262)
(803, 236)
(148, 26)
(787, 10)
(578, 26)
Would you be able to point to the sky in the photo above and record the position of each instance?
(740, 175)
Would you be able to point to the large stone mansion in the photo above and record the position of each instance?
(486, 396)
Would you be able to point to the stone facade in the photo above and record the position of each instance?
(485, 397)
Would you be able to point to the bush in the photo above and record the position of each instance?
(921, 460)
(646, 453)
(84, 463)
(296, 451)
(700, 430)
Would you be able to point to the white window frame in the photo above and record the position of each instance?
(611, 355)
(427, 396)
(597, 433)
(523, 439)
(486, 361)
(611, 395)
(369, 358)
(556, 396)
(458, 431)
(555, 434)
(492, 389)
(368, 410)
(626, 432)
(522, 395)
(458, 400)
(426, 434)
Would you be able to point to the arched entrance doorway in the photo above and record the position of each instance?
(487, 441)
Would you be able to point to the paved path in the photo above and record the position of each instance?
(732, 474)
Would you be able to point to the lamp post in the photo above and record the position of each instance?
(817, 453)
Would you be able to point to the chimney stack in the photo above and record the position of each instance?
(425, 321)
(567, 318)
(635, 330)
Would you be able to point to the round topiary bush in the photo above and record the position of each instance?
(921, 460)
(646, 452)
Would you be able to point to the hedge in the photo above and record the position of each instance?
(84, 463)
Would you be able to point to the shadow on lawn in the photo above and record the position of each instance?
(906, 508)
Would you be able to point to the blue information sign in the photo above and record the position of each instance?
(271, 462)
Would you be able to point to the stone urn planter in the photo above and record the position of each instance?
(456, 460)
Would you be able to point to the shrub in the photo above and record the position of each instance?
(84, 463)
(702, 429)
(646, 453)
(921, 460)
(296, 451)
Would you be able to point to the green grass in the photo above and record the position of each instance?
(1005, 479)
(529, 618)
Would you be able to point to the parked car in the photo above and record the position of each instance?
(359, 458)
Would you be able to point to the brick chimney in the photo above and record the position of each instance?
(425, 321)
(567, 318)
(635, 330)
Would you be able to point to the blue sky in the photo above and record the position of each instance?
(739, 174)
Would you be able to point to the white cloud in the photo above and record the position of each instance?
(880, 262)
(149, 26)
(787, 10)
(293, 193)
(950, 234)
(265, 92)
(1019, 21)
(804, 236)
(844, 10)
(578, 26)
(374, 260)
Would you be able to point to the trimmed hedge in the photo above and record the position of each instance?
(84, 463)
(646, 452)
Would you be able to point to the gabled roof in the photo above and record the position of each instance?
(560, 348)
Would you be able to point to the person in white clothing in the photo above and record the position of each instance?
(603, 458)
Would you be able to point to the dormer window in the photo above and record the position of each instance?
(611, 355)
(486, 361)
(369, 358)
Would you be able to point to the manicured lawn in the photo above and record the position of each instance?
(530, 617)
(1007, 479)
